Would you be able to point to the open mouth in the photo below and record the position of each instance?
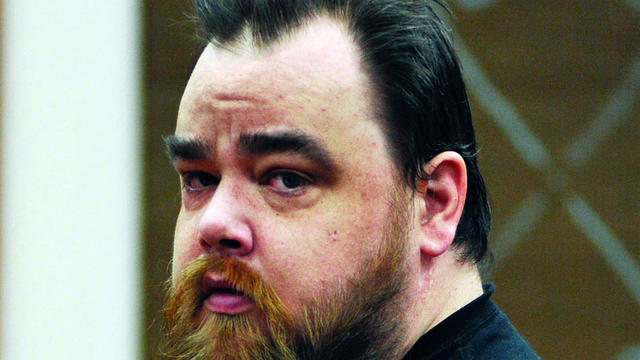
(226, 291)
(212, 286)
(220, 296)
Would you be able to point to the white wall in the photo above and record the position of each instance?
(70, 177)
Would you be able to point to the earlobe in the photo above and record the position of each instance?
(442, 194)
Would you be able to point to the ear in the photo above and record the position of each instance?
(441, 194)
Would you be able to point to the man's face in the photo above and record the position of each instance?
(284, 168)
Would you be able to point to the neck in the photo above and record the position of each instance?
(446, 286)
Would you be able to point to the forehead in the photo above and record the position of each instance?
(317, 64)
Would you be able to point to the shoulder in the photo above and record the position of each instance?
(495, 338)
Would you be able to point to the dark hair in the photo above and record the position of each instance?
(408, 52)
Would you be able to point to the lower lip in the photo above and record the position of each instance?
(230, 304)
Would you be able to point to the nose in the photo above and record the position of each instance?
(223, 227)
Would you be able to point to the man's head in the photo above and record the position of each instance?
(313, 144)
(406, 51)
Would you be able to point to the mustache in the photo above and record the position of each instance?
(194, 333)
(189, 285)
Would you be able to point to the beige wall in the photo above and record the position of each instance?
(1, 161)
(545, 77)
(70, 171)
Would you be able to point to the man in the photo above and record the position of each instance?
(332, 206)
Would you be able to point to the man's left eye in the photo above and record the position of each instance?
(287, 181)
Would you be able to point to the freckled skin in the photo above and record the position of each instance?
(307, 243)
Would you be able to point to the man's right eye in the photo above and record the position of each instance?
(198, 180)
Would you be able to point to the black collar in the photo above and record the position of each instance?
(456, 328)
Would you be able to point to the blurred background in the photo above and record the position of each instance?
(89, 200)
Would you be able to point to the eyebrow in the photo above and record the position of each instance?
(263, 143)
(186, 148)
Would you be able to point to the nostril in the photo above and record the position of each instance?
(204, 243)
(230, 243)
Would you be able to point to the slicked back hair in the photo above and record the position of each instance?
(407, 51)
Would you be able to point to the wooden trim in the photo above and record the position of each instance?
(169, 55)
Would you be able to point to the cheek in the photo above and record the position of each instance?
(299, 262)
(321, 254)
(185, 246)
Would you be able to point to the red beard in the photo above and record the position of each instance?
(360, 320)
